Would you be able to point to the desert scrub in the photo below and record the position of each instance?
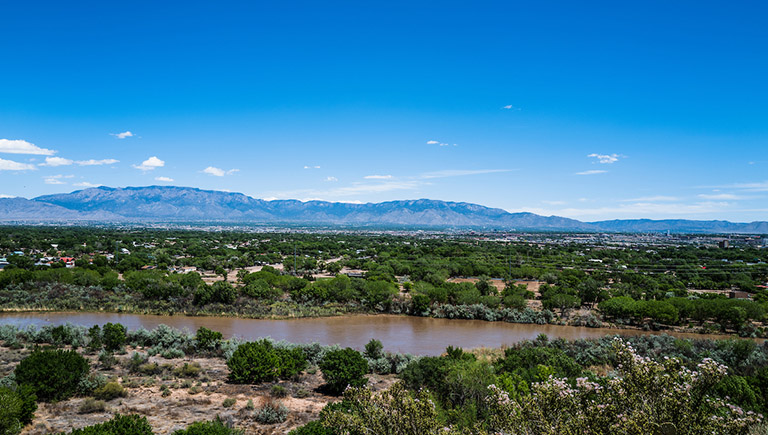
(229, 402)
(278, 391)
(212, 427)
(342, 368)
(111, 390)
(272, 412)
(17, 409)
(260, 361)
(187, 370)
(113, 336)
(91, 405)
(52, 375)
(120, 424)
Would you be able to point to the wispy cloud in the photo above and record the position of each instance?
(510, 107)
(165, 179)
(331, 179)
(56, 161)
(605, 158)
(311, 167)
(659, 198)
(23, 147)
(2, 195)
(86, 184)
(442, 144)
(93, 162)
(722, 197)
(638, 210)
(218, 172)
(10, 165)
(378, 177)
(750, 187)
(56, 179)
(150, 164)
(554, 202)
(461, 172)
(591, 172)
(123, 135)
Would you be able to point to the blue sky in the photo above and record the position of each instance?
(590, 110)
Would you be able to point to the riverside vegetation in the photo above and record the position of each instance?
(79, 380)
(247, 274)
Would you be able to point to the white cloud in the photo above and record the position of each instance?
(56, 161)
(2, 195)
(461, 172)
(637, 210)
(592, 172)
(312, 167)
(605, 158)
(150, 164)
(86, 184)
(123, 135)
(378, 177)
(554, 202)
(218, 172)
(331, 179)
(23, 147)
(432, 142)
(56, 179)
(510, 107)
(721, 196)
(93, 162)
(166, 179)
(651, 199)
(10, 165)
(751, 187)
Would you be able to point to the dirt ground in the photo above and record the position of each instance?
(189, 399)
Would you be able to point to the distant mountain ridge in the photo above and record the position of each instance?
(171, 203)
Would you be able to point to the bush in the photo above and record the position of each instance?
(278, 391)
(17, 409)
(91, 405)
(113, 336)
(229, 402)
(111, 390)
(52, 375)
(342, 368)
(94, 338)
(207, 339)
(260, 361)
(373, 350)
(271, 413)
(212, 427)
(188, 370)
(312, 428)
(119, 425)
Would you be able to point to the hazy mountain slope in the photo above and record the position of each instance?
(170, 203)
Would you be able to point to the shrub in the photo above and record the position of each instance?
(107, 360)
(136, 361)
(278, 391)
(91, 405)
(342, 368)
(260, 361)
(188, 370)
(271, 413)
(207, 339)
(229, 402)
(94, 338)
(113, 336)
(312, 428)
(17, 409)
(91, 383)
(120, 424)
(52, 375)
(212, 427)
(373, 350)
(109, 391)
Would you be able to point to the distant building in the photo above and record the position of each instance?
(724, 244)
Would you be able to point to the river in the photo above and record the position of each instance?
(416, 335)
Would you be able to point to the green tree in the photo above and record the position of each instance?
(342, 368)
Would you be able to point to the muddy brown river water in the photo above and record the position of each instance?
(416, 335)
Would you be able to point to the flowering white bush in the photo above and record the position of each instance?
(646, 397)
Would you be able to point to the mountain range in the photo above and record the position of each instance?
(185, 204)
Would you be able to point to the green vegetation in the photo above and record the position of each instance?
(17, 409)
(260, 361)
(119, 425)
(52, 375)
(342, 368)
(212, 427)
(171, 271)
